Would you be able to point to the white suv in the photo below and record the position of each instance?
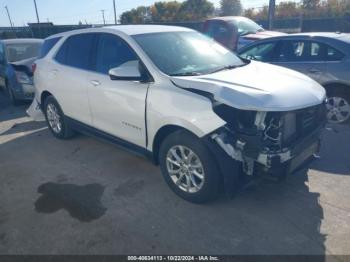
(204, 115)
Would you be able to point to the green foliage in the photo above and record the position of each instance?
(231, 7)
(308, 9)
(311, 4)
(165, 11)
(137, 15)
(173, 11)
(195, 10)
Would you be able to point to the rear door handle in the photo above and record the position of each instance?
(95, 82)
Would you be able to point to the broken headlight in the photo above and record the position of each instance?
(241, 121)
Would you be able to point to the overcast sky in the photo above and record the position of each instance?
(73, 11)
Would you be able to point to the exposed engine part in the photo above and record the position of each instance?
(235, 153)
(248, 166)
(260, 120)
(273, 132)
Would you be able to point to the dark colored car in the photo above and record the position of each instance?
(16, 59)
(325, 57)
(235, 32)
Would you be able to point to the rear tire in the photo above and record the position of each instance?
(56, 120)
(189, 168)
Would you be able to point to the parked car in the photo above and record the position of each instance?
(189, 104)
(325, 57)
(235, 32)
(16, 59)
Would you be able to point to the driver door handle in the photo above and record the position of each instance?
(95, 82)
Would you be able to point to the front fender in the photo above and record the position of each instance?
(177, 107)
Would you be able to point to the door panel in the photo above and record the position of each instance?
(69, 75)
(118, 107)
(71, 92)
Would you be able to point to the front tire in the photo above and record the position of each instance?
(189, 168)
(56, 120)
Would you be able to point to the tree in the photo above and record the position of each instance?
(231, 7)
(311, 4)
(195, 10)
(250, 13)
(137, 15)
(287, 10)
(165, 11)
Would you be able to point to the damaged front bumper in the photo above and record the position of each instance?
(261, 161)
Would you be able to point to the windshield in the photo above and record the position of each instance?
(186, 53)
(246, 26)
(18, 52)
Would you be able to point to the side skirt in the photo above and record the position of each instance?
(91, 131)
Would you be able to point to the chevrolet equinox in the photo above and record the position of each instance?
(205, 116)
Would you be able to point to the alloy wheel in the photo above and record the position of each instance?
(54, 118)
(338, 110)
(185, 169)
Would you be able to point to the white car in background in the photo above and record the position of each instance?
(204, 115)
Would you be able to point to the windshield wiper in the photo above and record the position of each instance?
(229, 67)
(187, 74)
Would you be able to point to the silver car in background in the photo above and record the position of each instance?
(325, 57)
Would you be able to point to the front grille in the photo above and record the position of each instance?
(301, 123)
(310, 119)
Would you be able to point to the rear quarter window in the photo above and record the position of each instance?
(47, 46)
(333, 54)
(76, 51)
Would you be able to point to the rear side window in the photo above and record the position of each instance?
(76, 51)
(333, 54)
(301, 51)
(47, 46)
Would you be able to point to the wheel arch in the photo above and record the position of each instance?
(335, 86)
(161, 135)
(45, 94)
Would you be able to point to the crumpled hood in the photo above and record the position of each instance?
(259, 87)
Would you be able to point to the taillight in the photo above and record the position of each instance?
(33, 67)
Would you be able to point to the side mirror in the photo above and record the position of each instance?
(129, 71)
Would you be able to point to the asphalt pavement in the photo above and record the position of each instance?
(85, 196)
